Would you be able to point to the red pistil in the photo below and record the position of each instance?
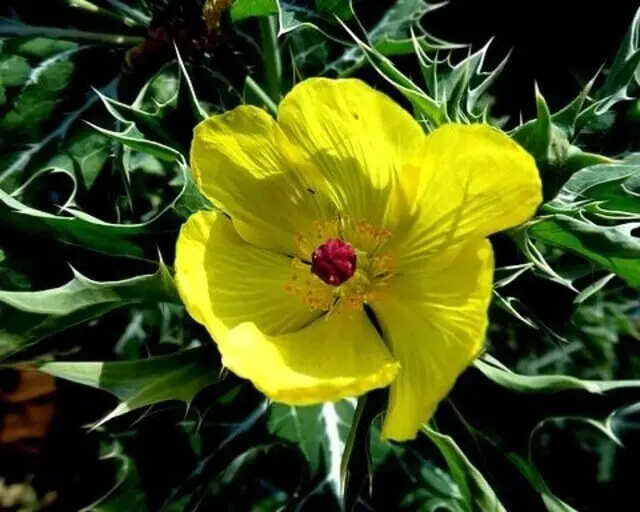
(334, 261)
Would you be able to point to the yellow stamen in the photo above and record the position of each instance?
(321, 231)
(312, 291)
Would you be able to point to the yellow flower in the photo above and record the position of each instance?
(352, 250)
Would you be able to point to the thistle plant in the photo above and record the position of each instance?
(281, 256)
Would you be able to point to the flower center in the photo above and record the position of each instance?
(334, 261)
(355, 273)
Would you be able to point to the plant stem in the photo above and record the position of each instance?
(262, 94)
(134, 14)
(85, 5)
(271, 56)
(350, 443)
(69, 34)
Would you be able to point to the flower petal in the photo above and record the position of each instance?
(225, 281)
(357, 138)
(238, 161)
(434, 323)
(338, 356)
(468, 181)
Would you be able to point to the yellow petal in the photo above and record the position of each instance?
(237, 158)
(338, 356)
(225, 281)
(357, 138)
(434, 323)
(469, 181)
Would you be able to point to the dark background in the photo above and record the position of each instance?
(560, 44)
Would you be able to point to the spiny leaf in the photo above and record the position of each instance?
(38, 98)
(610, 187)
(552, 139)
(20, 159)
(188, 91)
(83, 151)
(142, 383)
(621, 74)
(594, 215)
(320, 432)
(622, 70)
(529, 471)
(231, 483)
(426, 108)
(148, 124)
(82, 292)
(30, 316)
(478, 495)
(394, 34)
(294, 17)
(614, 248)
(78, 229)
(368, 460)
(131, 138)
(126, 491)
(459, 87)
(536, 136)
(541, 384)
(340, 8)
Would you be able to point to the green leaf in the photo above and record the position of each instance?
(82, 292)
(461, 88)
(14, 70)
(547, 143)
(83, 150)
(593, 289)
(140, 122)
(339, 8)
(84, 230)
(143, 383)
(293, 17)
(614, 248)
(479, 496)
(368, 461)
(249, 483)
(608, 187)
(20, 160)
(191, 199)
(43, 48)
(623, 68)
(37, 100)
(418, 483)
(187, 90)
(126, 492)
(243, 9)
(395, 33)
(131, 138)
(590, 216)
(426, 108)
(529, 471)
(320, 432)
(81, 229)
(542, 384)
(567, 117)
(30, 316)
